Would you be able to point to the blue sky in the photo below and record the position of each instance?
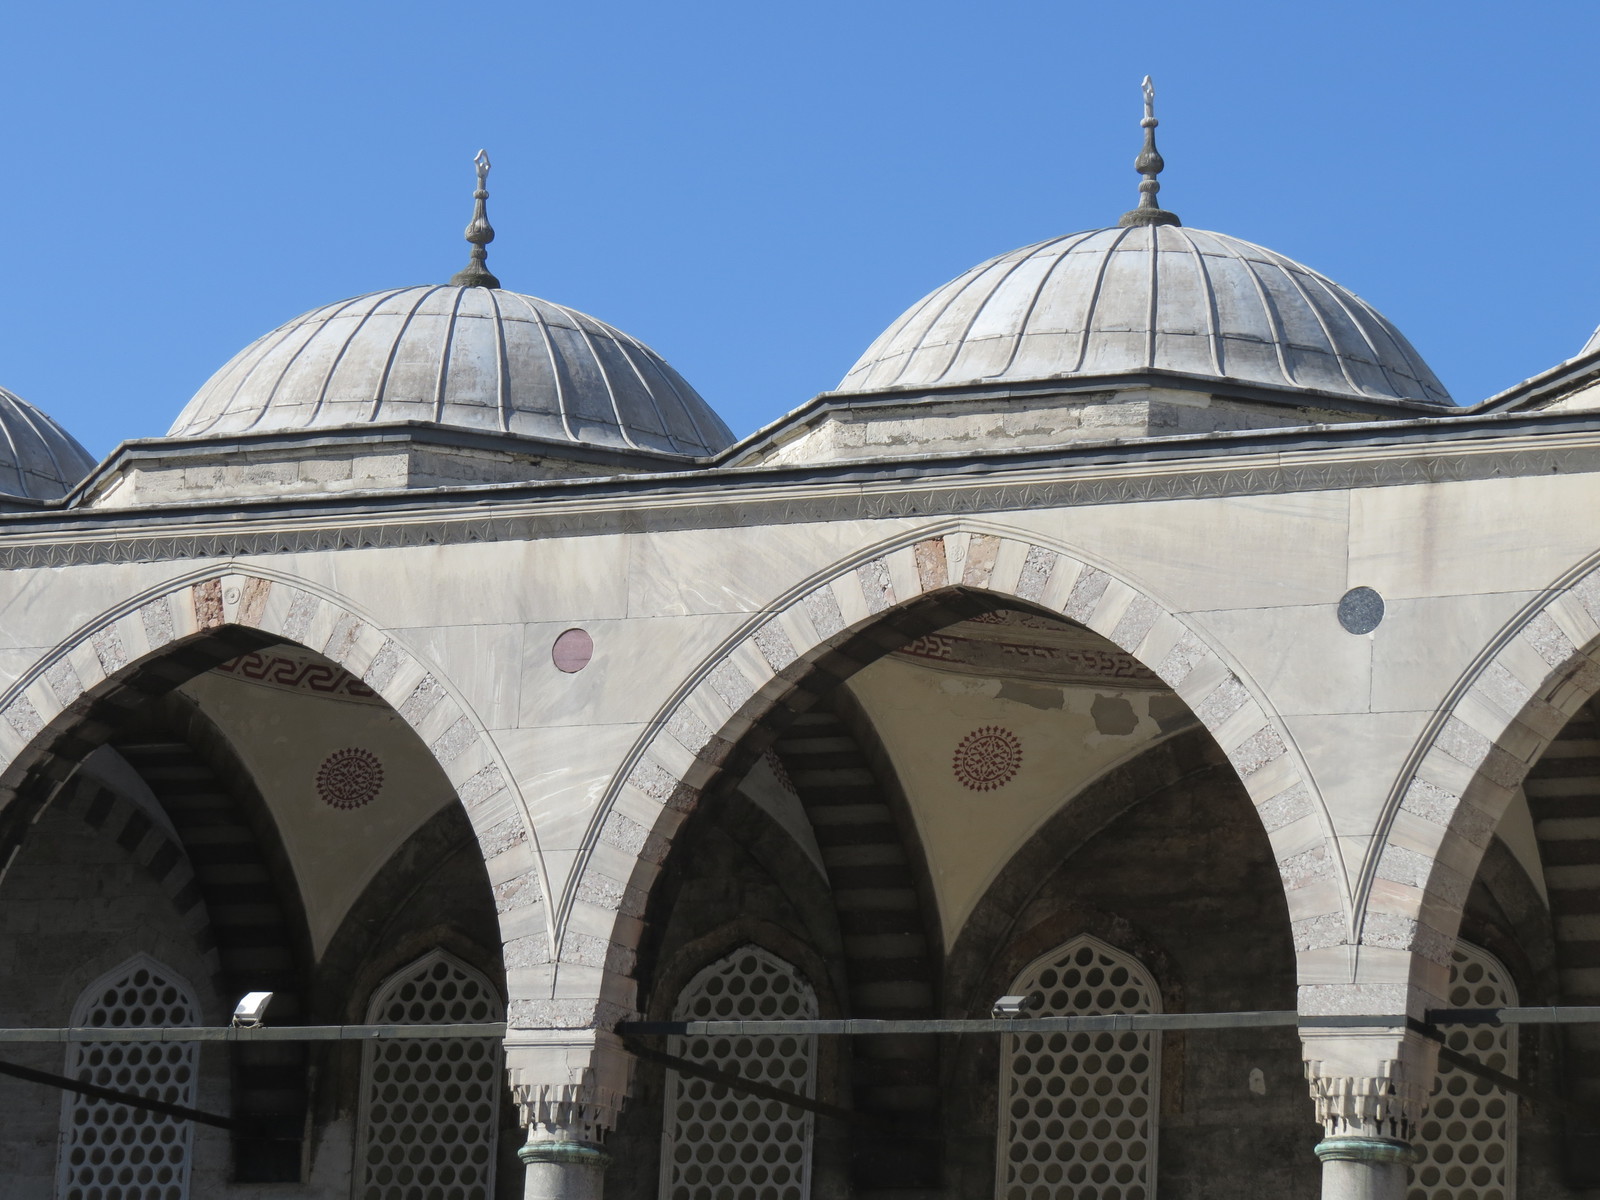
(757, 190)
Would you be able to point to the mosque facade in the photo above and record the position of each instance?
(1139, 630)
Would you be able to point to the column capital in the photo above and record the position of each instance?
(569, 1087)
(1369, 1085)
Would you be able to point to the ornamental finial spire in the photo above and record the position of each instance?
(1149, 164)
(480, 233)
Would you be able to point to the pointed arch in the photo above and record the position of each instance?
(69, 700)
(1503, 713)
(848, 614)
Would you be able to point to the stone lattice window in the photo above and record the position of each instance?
(430, 1109)
(1078, 1111)
(719, 1144)
(111, 1151)
(1468, 1137)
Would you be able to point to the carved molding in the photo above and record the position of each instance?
(1386, 1105)
(716, 499)
(566, 1112)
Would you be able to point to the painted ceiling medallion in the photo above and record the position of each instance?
(989, 757)
(350, 778)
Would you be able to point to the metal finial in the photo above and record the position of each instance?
(480, 233)
(1149, 164)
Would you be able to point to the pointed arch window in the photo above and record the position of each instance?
(719, 1144)
(1078, 1111)
(110, 1151)
(430, 1108)
(1468, 1137)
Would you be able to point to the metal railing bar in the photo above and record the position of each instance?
(279, 1033)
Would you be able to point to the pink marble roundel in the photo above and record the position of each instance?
(572, 651)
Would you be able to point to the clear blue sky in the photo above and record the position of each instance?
(758, 189)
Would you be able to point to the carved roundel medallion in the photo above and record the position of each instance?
(987, 758)
(350, 778)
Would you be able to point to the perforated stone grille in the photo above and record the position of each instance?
(718, 1144)
(430, 1109)
(1469, 1135)
(111, 1151)
(1078, 1111)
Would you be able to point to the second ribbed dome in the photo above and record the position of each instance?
(1153, 298)
(477, 358)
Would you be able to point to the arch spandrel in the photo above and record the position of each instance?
(160, 638)
(1497, 721)
(826, 628)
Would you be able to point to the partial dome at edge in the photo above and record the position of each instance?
(1148, 298)
(476, 358)
(39, 460)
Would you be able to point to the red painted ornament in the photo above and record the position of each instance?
(987, 758)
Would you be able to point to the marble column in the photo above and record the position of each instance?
(1364, 1168)
(561, 1165)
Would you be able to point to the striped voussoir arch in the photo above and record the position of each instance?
(70, 701)
(119, 819)
(1508, 710)
(864, 609)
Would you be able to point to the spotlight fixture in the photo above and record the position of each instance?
(251, 1009)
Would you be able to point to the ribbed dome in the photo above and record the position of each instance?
(472, 357)
(1147, 298)
(39, 460)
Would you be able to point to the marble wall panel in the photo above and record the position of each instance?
(1300, 656)
(491, 583)
(483, 662)
(1354, 759)
(1278, 550)
(637, 664)
(1423, 645)
(1469, 538)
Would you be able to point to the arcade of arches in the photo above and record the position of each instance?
(1140, 628)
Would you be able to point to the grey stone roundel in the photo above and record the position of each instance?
(1360, 610)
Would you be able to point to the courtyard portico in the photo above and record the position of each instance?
(1140, 629)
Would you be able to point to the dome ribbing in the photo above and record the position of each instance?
(470, 357)
(1155, 298)
(39, 460)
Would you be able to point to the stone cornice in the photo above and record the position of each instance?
(1234, 464)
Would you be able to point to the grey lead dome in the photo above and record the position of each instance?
(39, 460)
(471, 357)
(1152, 298)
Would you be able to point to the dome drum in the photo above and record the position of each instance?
(349, 460)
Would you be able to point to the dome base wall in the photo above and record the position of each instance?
(851, 428)
(169, 471)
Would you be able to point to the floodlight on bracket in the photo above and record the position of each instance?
(251, 1009)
